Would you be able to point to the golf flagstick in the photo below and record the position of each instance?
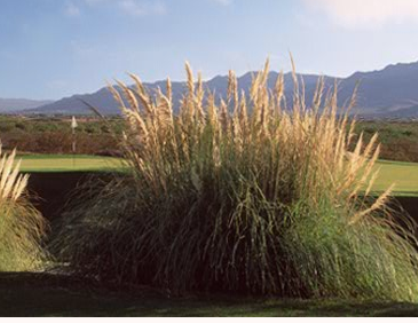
(73, 126)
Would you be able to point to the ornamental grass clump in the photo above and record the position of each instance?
(243, 194)
(22, 228)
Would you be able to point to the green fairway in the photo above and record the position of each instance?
(404, 175)
(68, 163)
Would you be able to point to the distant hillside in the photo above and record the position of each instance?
(16, 105)
(391, 92)
(104, 101)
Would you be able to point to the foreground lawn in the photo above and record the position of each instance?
(26, 294)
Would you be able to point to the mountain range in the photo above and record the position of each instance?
(388, 93)
(15, 105)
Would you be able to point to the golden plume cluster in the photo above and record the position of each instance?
(12, 184)
(294, 150)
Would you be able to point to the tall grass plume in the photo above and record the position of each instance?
(243, 194)
(22, 227)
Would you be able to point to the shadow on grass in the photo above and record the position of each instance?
(31, 294)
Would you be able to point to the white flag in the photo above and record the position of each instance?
(74, 123)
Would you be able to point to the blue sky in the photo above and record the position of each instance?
(55, 48)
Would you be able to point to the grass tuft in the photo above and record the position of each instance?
(22, 228)
(243, 194)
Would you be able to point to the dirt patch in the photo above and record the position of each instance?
(51, 191)
(410, 205)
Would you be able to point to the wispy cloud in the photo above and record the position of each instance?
(367, 13)
(223, 2)
(72, 10)
(132, 7)
(142, 8)
(94, 2)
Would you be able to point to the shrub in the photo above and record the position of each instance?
(248, 196)
(21, 226)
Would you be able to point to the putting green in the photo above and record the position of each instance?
(404, 175)
(68, 163)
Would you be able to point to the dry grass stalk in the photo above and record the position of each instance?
(245, 193)
(22, 228)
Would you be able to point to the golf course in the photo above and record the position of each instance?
(403, 174)
(262, 211)
(69, 163)
(52, 295)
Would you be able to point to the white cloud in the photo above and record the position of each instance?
(223, 2)
(367, 13)
(142, 8)
(72, 10)
(94, 2)
(133, 7)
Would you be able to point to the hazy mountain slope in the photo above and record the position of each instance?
(391, 92)
(15, 105)
(104, 101)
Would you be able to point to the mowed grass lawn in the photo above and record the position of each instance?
(69, 163)
(35, 294)
(404, 175)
